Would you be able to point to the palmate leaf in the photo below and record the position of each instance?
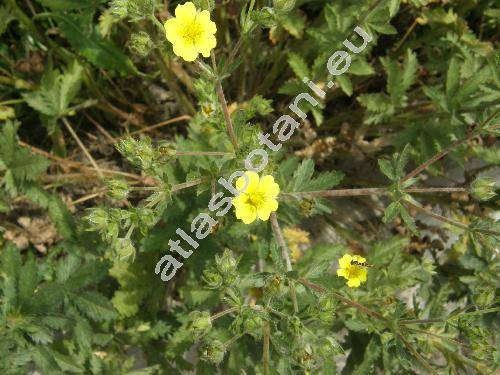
(302, 178)
(399, 80)
(56, 91)
(89, 42)
(19, 163)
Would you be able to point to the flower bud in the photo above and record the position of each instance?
(226, 263)
(212, 351)
(141, 44)
(483, 188)
(295, 325)
(139, 9)
(484, 296)
(167, 149)
(284, 5)
(329, 347)
(274, 285)
(306, 206)
(124, 248)
(212, 278)
(200, 322)
(119, 8)
(138, 152)
(253, 325)
(304, 356)
(117, 189)
(97, 218)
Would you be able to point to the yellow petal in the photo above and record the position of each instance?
(341, 272)
(268, 186)
(239, 200)
(246, 213)
(173, 30)
(345, 261)
(187, 51)
(253, 181)
(270, 204)
(353, 283)
(359, 259)
(206, 44)
(263, 214)
(204, 19)
(186, 11)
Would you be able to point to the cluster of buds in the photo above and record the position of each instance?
(225, 272)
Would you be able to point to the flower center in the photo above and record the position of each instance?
(255, 198)
(353, 272)
(192, 32)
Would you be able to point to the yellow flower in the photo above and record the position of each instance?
(259, 198)
(354, 274)
(191, 32)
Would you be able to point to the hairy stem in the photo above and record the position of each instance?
(417, 355)
(370, 191)
(225, 109)
(343, 299)
(222, 313)
(449, 221)
(189, 184)
(265, 347)
(447, 150)
(285, 254)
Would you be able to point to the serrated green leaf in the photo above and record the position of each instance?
(67, 363)
(298, 65)
(302, 175)
(453, 77)
(408, 220)
(95, 306)
(391, 212)
(387, 169)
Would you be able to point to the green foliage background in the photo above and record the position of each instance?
(91, 302)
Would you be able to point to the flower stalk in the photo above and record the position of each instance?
(225, 109)
(285, 254)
